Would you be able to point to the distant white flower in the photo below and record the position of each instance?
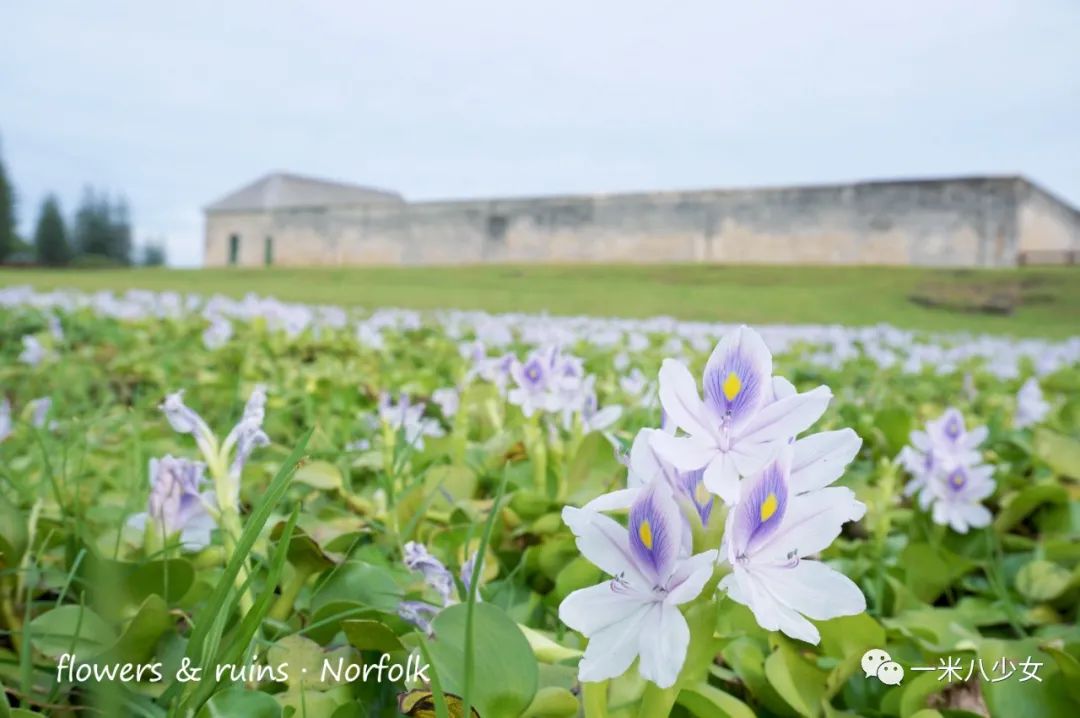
(218, 333)
(408, 417)
(55, 328)
(945, 444)
(741, 424)
(178, 504)
(5, 419)
(447, 400)
(768, 538)
(436, 575)
(954, 496)
(33, 352)
(39, 411)
(1031, 407)
(534, 382)
(636, 613)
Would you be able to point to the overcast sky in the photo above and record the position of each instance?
(177, 104)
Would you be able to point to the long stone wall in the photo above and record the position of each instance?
(964, 222)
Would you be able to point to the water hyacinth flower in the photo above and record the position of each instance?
(768, 537)
(636, 613)
(39, 412)
(533, 378)
(226, 460)
(408, 417)
(218, 333)
(436, 575)
(178, 505)
(5, 419)
(944, 445)
(448, 400)
(1031, 407)
(743, 420)
(955, 495)
(33, 353)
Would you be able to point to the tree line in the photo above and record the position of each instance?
(98, 234)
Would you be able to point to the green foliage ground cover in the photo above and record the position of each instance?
(314, 569)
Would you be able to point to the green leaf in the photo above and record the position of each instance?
(895, 424)
(1061, 453)
(1047, 699)
(707, 701)
(357, 582)
(799, 683)
(449, 483)
(931, 570)
(13, 536)
(140, 638)
(368, 635)
(1040, 581)
(552, 702)
(170, 578)
(503, 660)
(320, 475)
(304, 553)
(1018, 506)
(236, 702)
(71, 629)
(1070, 668)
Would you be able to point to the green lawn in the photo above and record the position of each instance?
(1032, 302)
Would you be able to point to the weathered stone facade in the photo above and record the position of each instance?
(965, 222)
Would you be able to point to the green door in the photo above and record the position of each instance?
(268, 251)
(234, 249)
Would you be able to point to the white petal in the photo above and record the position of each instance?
(819, 459)
(751, 458)
(813, 589)
(603, 542)
(680, 399)
(591, 609)
(770, 613)
(722, 478)
(784, 419)
(611, 650)
(613, 501)
(812, 522)
(665, 636)
(645, 463)
(690, 576)
(976, 515)
(684, 452)
(782, 388)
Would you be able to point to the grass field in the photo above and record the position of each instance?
(1023, 302)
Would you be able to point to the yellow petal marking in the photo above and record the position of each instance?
(701, 494)
(732, 386)
(644, 533)
(768, 507)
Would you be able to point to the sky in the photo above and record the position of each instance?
(175, 105)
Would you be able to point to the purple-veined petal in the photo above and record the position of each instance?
(604, 543)
(813, 521)
(762, 508)
(738, 376)
(656, 529)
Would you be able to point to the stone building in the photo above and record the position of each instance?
(287, 219)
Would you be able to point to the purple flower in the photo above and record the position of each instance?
(177, 503)
(743, 420)
(436, 575)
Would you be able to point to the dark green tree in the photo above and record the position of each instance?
(8, 238)
(92, 232)
(50, 235)
(120, 223)
(153, 254)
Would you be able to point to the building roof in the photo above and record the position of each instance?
(281, 190)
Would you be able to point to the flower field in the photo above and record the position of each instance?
(220, 507)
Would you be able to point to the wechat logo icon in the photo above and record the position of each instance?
(879, 664)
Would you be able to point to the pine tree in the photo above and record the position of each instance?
(50, 235)
(8, 237)
(120, 231)
(92, 232)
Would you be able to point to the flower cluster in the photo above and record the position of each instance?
(438, 578)
(947, 476)
(739, 449)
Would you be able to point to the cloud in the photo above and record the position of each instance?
(176, 106)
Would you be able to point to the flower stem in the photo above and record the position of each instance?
(594, 697)
(283, 606)
(657, 702)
